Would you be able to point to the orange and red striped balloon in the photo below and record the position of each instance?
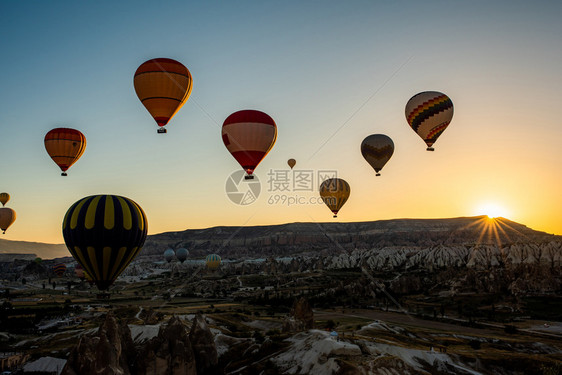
(163, 86)
(65, 146)
(249, 135)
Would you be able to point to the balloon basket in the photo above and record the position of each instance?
(63, 174)
(430, 149)
(335, 216)
(248, 177)
(103, 296)
(378, 174)
(162, 131)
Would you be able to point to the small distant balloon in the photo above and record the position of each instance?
(7, 218)
(163, 86)
(169, 255)
(292, 163)
(181, 254)
(65, 146)
(4, 198)
(377, 150)
(79, 272)
(334, 192)
(249, 135)
(59, 269)
(429, 113)
(213, 261)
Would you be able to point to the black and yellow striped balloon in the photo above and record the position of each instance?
(104, 233)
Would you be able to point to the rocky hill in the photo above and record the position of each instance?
(337, 238)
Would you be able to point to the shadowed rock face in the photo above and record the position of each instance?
(169, 353)
(175, 351)
(301, 317)
(203, 343)
(109, 352)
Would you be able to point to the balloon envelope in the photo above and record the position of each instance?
(169, 255)
(59, 269)
(4, 198)
(213, 261)
(79, 272)
(249, 135)
(163, 86)
(7, 218)
(335, 192)
(181, 254)
(104, 233)
(377, 150)
(65, 146)
(292, 163)
(429, 113)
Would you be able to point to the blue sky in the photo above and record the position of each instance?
(329, 73)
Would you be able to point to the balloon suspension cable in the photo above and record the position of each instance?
(430, 149)
(63, 174)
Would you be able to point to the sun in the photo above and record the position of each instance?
(492, 210)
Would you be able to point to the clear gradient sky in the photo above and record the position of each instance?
(329, 73)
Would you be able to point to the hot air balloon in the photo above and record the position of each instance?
(249, 135)
(213, 261)
(7, 217)
(292, 163)
(377, 150)
(59, 269)
(88, 278)
(104, 233)
(429, 113)
(181, 254)
(65, 146)
(169, 255)
(334, 192)
(163, 86)
(79, 272)
(4, 198)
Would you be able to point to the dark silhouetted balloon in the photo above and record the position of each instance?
(104, 233)
(169, 255)
(181, 254)
(7, 218)
(4, 198)
(377, 150)
(334, 192)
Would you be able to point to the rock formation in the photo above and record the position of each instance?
(108, 352)
(169, 353)
(300, 318)
(203, 343)
(174, 351)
